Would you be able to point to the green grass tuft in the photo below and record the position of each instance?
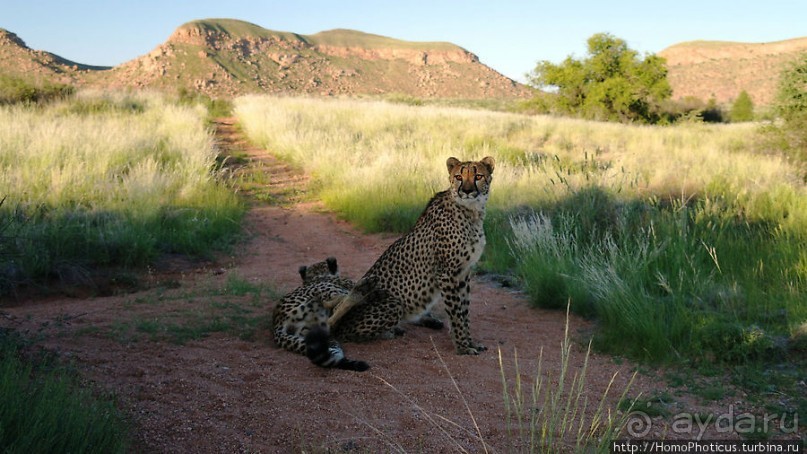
(553, 413)
(44, 408)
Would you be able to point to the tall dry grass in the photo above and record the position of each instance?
(107, 179)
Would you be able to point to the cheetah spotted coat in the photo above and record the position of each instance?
(431, 263)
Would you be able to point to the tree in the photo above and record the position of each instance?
(612, 83)
(742, 109)
(791, 107)
(791, 97)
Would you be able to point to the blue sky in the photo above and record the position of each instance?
(508, 35)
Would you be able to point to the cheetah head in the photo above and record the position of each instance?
(470, 181)
(326, 268)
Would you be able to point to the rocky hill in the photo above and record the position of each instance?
(718, 69)
(224, 57)
(36, 65)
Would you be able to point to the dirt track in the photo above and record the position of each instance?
(225, 394)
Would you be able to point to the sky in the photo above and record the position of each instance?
(510, 36)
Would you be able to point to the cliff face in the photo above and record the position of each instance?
(706, 69)
(229, 58)
(414, 57)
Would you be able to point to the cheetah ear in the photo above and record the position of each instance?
(302, 271)
(332, 266)
(489, 163)
(451, 163)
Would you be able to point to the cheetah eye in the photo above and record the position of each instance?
(479, 177)
(458, 177)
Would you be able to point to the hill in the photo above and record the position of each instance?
(720, 69)
(225, 57)
(35, 65)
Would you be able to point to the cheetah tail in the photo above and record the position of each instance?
(325, 352)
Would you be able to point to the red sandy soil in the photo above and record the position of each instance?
(221, 393)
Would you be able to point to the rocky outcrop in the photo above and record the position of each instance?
(10, 39)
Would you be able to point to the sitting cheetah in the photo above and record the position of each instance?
(300, 319)
(429, 264)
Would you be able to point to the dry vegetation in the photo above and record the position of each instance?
(106, 180)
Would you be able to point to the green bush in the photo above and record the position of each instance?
(103, 104)
(691, 110)
(742, 109)
(791, 107)
(713, 113)
(14, 90)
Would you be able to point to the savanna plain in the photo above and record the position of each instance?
(632, 274)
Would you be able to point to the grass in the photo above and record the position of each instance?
(553, 411)
(554, 414)
(686, 243)
(44, 408)
(235, 307)
(107, 180)
(652, 406)
(356, 39)
(103, 180)
(215, 107)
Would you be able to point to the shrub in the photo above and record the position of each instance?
(791, 96)
(14, 90)
(791, 107)
(742, 109)
(713, 113)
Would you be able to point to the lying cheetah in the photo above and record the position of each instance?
(300, 319)
(431, 263)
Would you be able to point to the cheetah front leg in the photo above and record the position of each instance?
(457, 299)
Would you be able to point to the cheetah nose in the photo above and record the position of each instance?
(468, 188)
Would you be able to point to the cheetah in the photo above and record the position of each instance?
(431, 263)
(300, 320)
